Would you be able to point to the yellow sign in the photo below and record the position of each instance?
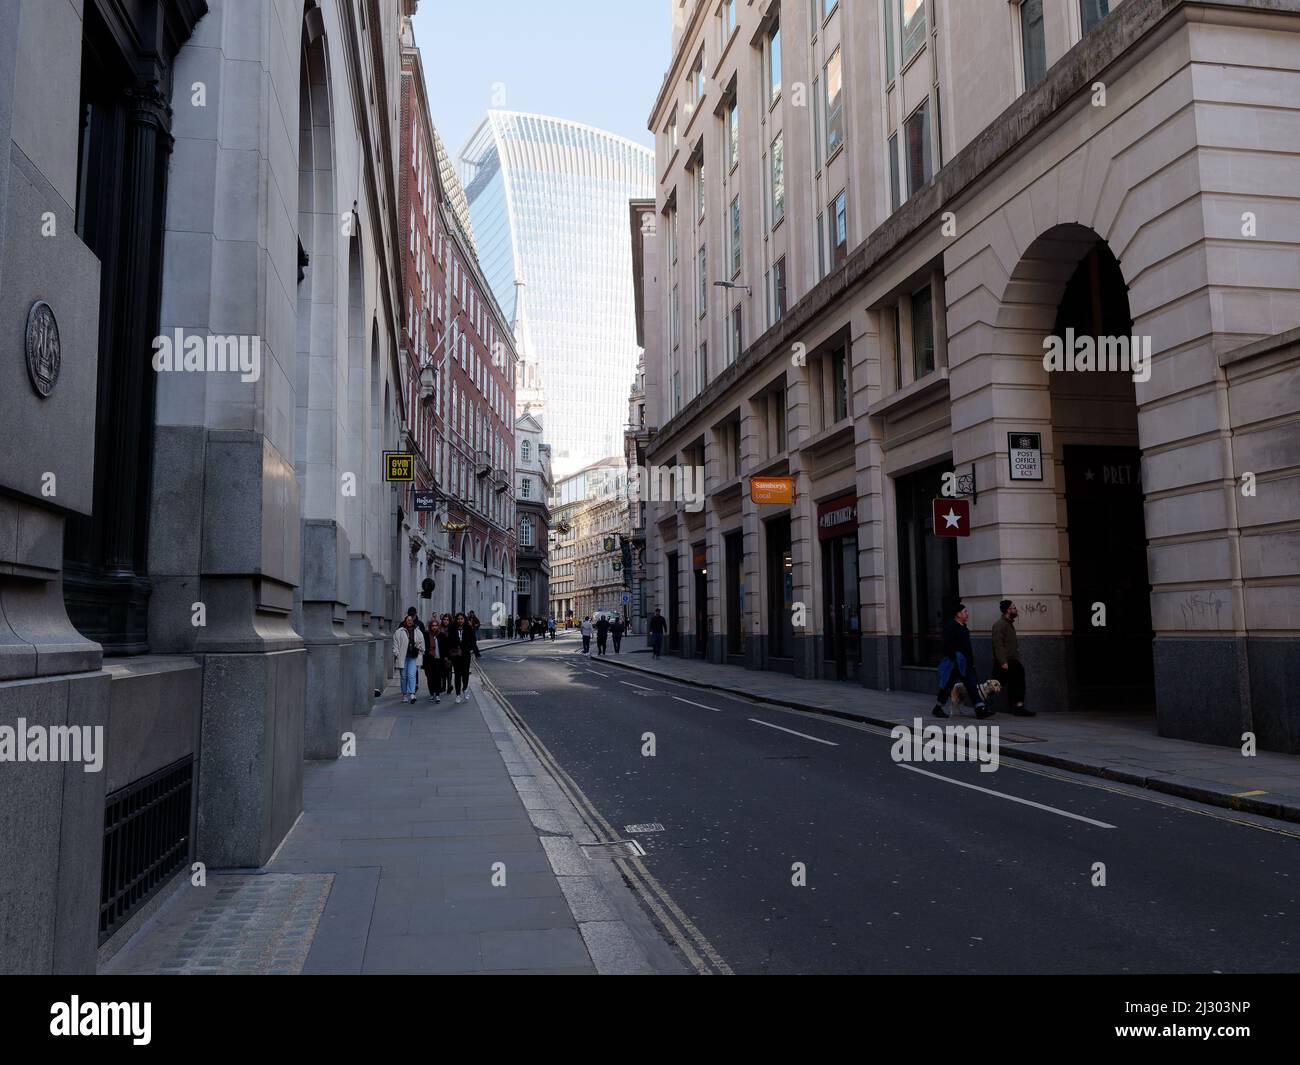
(778, 490)
(399, 466)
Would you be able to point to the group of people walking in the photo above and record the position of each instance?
(603, 628)
(523, 628)
(443, 648)
(958, 662)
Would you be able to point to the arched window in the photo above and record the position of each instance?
(526, 531)
(526, 451)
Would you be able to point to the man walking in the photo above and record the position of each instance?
(510, 626)
(658, 626)
(617, 632)
(958, 664)
(550, 626)
(602, 633)
(585, 629)
(1007, 669)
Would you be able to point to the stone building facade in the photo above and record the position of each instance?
(209, 575)
(874, 217)
(532, 533)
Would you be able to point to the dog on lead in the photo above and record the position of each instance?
(961, 697)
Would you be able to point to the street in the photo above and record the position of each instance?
(907, 871)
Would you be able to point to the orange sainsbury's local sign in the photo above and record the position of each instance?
(771, 489)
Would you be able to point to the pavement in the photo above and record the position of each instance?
(1116, 745)
(778, 840)
(441, 846)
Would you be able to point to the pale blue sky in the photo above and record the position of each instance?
(595, 61)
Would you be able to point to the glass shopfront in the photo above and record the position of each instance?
(927, 567)
(780, 589)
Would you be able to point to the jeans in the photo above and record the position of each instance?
(618, 642)
(410, 675)
(586, 645)
(656, 642)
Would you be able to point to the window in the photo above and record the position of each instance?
(737, 337)
(525, 535)
(778, 179)
(727, 17)
(670, 133)
(922, 333)
(677, 391)
(672, 234)
(778, 403)
(839, 229)
(526, 451)
(1091, 12)
(774, 64)
(834, 102)
(827, 7)
(702, 370)
(675, 316)
(733, 133)
(840, 385)
(917, 132)
(699, 189)
(697, 79)
(778, 289)
(525, 488)
(702, 281)
(893, 172)
(913, 23)
(735, 236)
(821, 246)
(1033, 44)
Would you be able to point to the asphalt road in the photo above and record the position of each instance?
(906, 871)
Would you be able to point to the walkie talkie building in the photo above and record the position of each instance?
(548, 198)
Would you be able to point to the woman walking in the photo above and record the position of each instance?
(435, 651)
(408, 650)
(461, 643)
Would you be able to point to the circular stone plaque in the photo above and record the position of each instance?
(44, 356)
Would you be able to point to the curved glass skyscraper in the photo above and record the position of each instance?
(549, 201)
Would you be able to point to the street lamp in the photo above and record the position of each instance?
(732, 284)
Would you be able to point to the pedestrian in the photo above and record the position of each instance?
(602, 633)
(461, 643)
(617, 632)
(408, 651)
(658, 626)
(586, 630)
(550, 626)
(532, 630)
(510, 626)
(434, 652)
(522, 628)
(472, 619)
(1007, 668)
(958, 664)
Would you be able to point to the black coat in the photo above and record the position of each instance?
(956, 637)
(462, 640)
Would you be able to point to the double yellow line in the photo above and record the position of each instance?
(693, 944)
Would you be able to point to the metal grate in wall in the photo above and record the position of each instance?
(146, 839)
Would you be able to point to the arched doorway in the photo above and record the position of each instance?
(1099, 487)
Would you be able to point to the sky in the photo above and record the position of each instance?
(600, 62)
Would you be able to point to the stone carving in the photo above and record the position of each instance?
(44, 354)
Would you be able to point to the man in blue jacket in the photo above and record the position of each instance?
(958, 664)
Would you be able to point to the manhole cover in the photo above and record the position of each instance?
(636, 830)
(622, 848)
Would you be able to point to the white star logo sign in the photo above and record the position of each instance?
(952, 520)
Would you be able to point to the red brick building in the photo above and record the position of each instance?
(458, 369)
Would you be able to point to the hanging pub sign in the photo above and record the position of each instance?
(837, 517)
(776, 490)
(951, 517)
(399, 466)
(1025, 456)
(426, 501)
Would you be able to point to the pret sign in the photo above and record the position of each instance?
(399, 466)
(1025, 456)
(951, 517)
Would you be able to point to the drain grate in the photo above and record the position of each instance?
(620, 848)
(637, 830)
(519, 691)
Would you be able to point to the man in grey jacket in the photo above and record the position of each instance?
(1006, 658)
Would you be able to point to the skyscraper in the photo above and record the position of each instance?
(548, 199)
